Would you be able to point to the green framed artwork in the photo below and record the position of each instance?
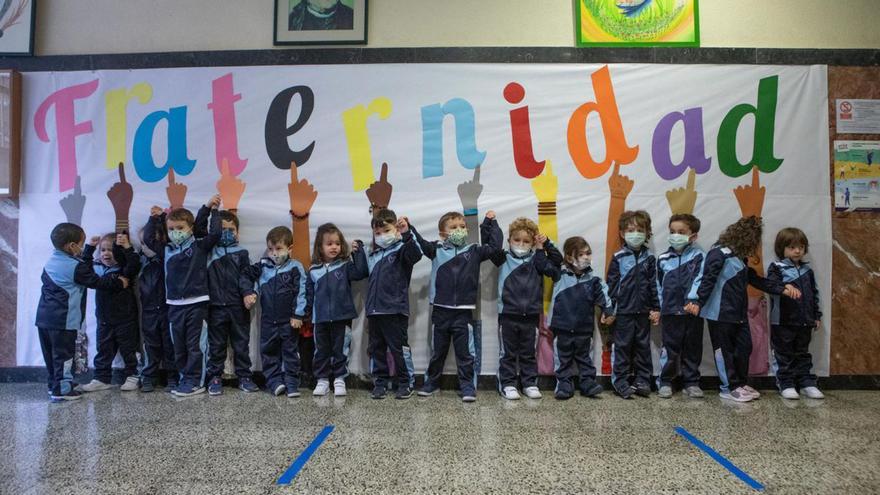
(637, 22)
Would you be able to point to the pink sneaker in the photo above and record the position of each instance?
(754, 393)
(741, 395)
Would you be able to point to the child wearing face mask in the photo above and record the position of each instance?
(229, 322)
(455, 274)
(792, 322)
(576, 294)
(632, 285)
(116, 313)
(390, 263)
(520, 304)
(158, 348)
(280, 282)
(677, 271)
(186, 287)
(335, 265)
(61, 309)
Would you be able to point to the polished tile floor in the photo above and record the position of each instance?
(113, 442)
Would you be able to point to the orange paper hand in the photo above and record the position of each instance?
(620, 185)
(302, 194)
(176, 192)
(751, 197)
(230, 187)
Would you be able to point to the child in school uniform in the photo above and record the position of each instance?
(455, 274)
(281, 284)
(576, 294)
(632, 285)
(677, 270)
(520, 304)
(186, 287)
(155, 333)
(61, 309)
(116, 314)
(335, 265)
(792, 322)
(390, 263)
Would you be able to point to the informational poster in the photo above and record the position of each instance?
(856, 175)
(858, 116)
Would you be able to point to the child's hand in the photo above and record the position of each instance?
(403, 225)
(94, 240)
(791, 291)
(654, 316)
(355, 245)
(606, 320)
(296, 323)
(692, 308)
(125, 282)
(818, 324)
(122, 240)
(540, 239)
(214, 202)
(250, 300)
(155, 211)
(490, 214)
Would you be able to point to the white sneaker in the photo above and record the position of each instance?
(812, 393)
(790, 394)
(339, 387)
(95, 386)
(131, 383)
(322, 388)
(665, 392)
(532, 392)
(510, 393)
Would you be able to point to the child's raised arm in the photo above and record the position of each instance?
(491, 236)
(428, 248)
(546, 267)
(207, 242)
(131, 262)
(84, 273)
(358, 269)
(154, 223)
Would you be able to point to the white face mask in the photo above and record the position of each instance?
(582, 263)
(634, 239)
(279, 258)
(520, 251)
(387, 239)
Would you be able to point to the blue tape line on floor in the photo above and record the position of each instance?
(300, 461)
(720, 459)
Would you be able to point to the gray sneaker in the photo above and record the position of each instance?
(694, 392)
(665, 391)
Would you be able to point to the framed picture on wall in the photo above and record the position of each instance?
(17, 27)
(637, 22)
(320, 22)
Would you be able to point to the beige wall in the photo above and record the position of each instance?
(67, 27)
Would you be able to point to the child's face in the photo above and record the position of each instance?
(794, 252)
(178, 225)
(583, 256)
(331, 246)
(451, 226)
(633, 227)
(521, 239)
(105, 253)
(679, 227)
(229, 225)
(76, 248)
(385, 229)
(274, 249)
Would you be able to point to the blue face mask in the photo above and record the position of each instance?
(679, 241)
(178, 237)
(227, 238)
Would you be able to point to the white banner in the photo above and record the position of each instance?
(433, 124)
